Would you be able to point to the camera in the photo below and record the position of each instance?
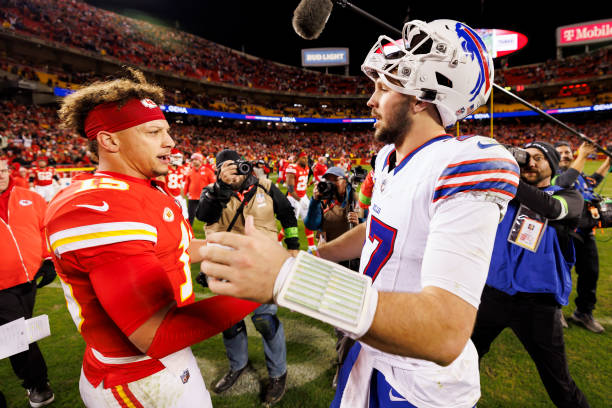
(358, 174)
(327, 190)
(243, 167)
(521, 156)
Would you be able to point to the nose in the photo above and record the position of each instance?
(373, 101)
(168, 140)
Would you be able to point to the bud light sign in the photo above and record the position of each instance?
(324, 57)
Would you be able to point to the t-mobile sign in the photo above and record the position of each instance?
(585, 33)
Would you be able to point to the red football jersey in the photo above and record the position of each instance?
(175, 179)
(318, 171)
(104, 218)
(301, 178)
(44, 176)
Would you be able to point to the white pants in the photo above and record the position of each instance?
(299, 207)
(179, 385)
(183, 203)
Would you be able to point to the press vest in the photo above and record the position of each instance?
(515, 269)
(260, 206)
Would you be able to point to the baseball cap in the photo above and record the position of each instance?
(225, 155)
(551, 154)
(335, 171)
(197, 156)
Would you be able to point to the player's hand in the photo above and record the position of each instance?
(228, 173)
(246, 271)
(46, 273)
(353, 218)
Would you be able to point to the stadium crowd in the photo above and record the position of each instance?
(32, 131)
(104, 33)
(77, 24)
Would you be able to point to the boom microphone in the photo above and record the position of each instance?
(310, 17)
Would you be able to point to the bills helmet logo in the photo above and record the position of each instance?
(473, 45)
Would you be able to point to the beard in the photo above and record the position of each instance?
(394, 128)
(534, 177)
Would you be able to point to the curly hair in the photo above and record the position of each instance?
(76, 106)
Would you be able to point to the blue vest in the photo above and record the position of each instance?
(515, 269)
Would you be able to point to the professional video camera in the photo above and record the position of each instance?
(243, 167)
(327, 190)
(358, 174)
(520, 155)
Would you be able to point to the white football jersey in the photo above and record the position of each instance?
(472, 171)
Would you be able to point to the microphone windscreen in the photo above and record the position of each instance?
(310, 17)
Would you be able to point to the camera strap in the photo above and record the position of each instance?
(243, 202)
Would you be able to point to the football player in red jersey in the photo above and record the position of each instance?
(44, 180)
(122, 251)
(175, 179)
(297, 183)
(319, 169)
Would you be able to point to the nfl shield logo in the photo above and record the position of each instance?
(185, 376)
(382, 185)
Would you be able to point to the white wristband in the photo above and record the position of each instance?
(328, 292)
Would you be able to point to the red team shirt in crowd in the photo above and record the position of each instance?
(301, 178)
(44, 176)
(196, 180)
(101, 220)
(318, 171)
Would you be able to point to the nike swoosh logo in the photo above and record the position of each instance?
(394, 398)
(103, 207)
(486, 146)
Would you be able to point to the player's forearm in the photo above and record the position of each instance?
(346, 246)
(432, 325)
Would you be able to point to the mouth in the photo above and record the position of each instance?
(164, 158)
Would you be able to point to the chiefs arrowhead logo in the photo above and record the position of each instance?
(168, 215)
(148, 103)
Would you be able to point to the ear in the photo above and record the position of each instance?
(420, 106)
(108, 141)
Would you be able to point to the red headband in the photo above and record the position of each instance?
(110, 117)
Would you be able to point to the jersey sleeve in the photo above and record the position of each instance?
(98, 219)
(478, 169)
(291, 169)
(365, 192)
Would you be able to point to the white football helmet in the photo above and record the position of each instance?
(444, 62)
(176, 158)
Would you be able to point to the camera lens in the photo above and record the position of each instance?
(244, 168)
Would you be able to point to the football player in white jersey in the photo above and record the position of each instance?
(426, 247)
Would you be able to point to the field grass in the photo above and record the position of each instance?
(509, 377)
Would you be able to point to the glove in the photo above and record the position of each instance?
(201, 279)
(46, 272)
(222, 191)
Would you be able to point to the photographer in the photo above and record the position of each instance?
(331, 209)
(587, 258)
(529, 275)
(224, 206)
